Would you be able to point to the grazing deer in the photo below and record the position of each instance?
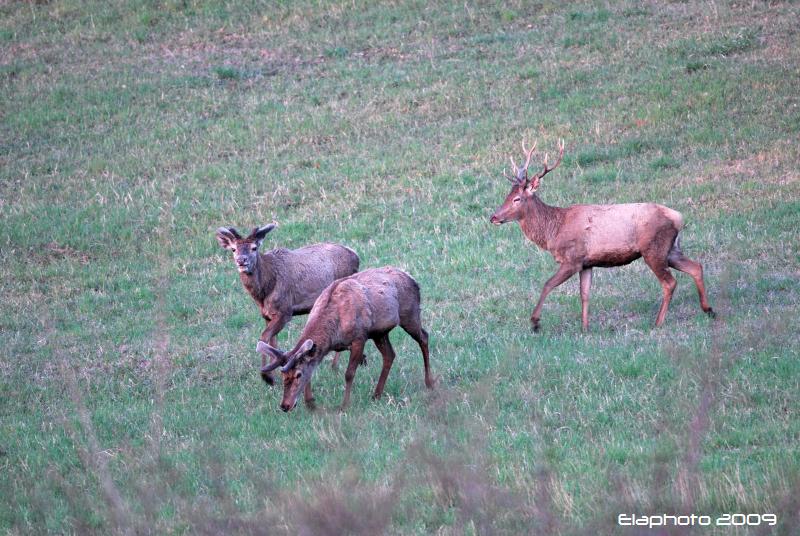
(581, 237)
(284, 282)
(366, 305)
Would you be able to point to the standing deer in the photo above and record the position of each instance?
(366, 305)
(581, 237)
(284, 282)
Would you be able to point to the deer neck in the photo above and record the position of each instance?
(324, 328)
(260, 282)
(541, 222)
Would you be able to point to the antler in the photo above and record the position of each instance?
(547, 169)
(275, 363)
(274, 354)
(521, 174)
(291, 363)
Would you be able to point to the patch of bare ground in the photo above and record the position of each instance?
(16, 52)
(54, 252)
(59, 59)
(198, 51)
(770, 172)
(780, 39)
(773, 165)
(699, 17)
(777, 33)
(732, 199)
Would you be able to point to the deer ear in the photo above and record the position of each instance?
(226, 236)
(259, 233)
(533, 185)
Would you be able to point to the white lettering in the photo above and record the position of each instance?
(691, 520)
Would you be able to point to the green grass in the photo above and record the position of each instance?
(129, 394)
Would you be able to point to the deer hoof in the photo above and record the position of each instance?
(711, 313)
(267, 377)
(311, 404)
(535, 325)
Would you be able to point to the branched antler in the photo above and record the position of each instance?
(521, 174)
(547, 169)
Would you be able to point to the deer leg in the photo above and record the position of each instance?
(386, 350)
(335, 362)
(668, 285)
(269, 336)
(421, 336)
(308, 397)
(586, 283)
(356, 354)
(680, 262)
(564, 272)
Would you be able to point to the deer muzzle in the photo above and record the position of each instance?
(243, 266)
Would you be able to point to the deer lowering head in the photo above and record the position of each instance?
(245, 250)
(522, 186)
(364, 306)
(297, 367)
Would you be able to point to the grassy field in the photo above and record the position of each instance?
(130, 400)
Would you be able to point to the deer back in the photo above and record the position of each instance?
(302, 274)
(368, 302)
(611, 235)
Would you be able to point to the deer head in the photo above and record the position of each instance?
(245, 250)
(297, 366)
(523, 187)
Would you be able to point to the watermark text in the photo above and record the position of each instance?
(696, 520)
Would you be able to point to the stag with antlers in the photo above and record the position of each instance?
(582, 237)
